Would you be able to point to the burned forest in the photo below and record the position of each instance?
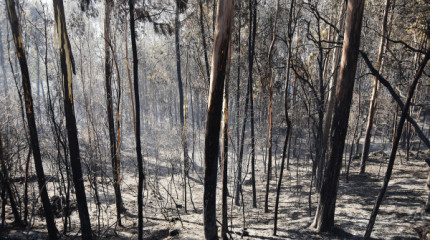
(220, 119)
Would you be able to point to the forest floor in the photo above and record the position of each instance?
(164, 209)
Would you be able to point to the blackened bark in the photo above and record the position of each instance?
(5, 87)
(324, 218)
(181, 97)
(222, 38)
(202, 31)
(34, 140)
(332, 92)
(319, 156)
(287, 136)
(240, 158)
(225, 133)
(137, 132)
(109, 107)
(178, 65)
(251, 101)
(67, 65)
(270, 110)
(238, 83)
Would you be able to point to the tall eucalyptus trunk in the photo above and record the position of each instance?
(67, 67)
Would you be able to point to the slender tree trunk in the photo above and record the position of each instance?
(225, 135)
(5, 87)
(319, 156)
(270, 110)
(20, 50)
(181, 96)
(67, 66)
(137, 132)
(129, 81)
(38, 85)
(238, 82)
(396, 141)
(109, 107)
(248, 107)
(324, 218)
(253, 8)
(224, 19)
(287, 136)
(56, 130)
(240, 158)
(374, 99)
(184, 139)
(332, 92)
(202, 31)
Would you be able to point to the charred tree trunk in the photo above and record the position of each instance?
(248, 104)
(137, 130)
(224, 18)
(179, 9)
(287, 136)
(202, 31)
(396, 141)
(224, 147)
(319, 156)
(324, 218)
(109, 107)
(270, 122)
(67, 66)
(332, 92)
(373, 101)
(5, 87)
(34, 140)
(253, 12)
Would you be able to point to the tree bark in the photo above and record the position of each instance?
(249, 106)
(374, 99)
(109, 107)
(270, 110)
(137, 131)
(324, 218)
(332, 91)
(222, 38)
(253, 8)
(181, 96)
(67, 66)
(224, 147)
(287, 136)
(34, 140)
(202, 31)
(5, 87)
